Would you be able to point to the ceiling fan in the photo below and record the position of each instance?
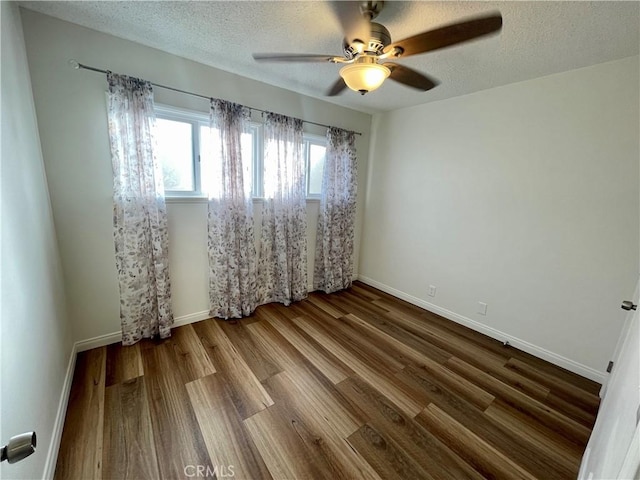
(367, 46)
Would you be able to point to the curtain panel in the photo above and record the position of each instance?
(139, 212)
(282, 265)
(232, 251)
(333, 268)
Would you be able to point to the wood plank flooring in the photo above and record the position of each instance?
(353, 385)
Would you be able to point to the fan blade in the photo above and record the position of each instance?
(410, 78)
(336, 88)
(354, 24)
(292, 57)
(449, 35)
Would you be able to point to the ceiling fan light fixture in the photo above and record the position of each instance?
(364, 77)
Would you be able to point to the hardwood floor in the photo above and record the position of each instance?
(356, 384)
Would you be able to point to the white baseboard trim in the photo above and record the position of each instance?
(99, 341)
(115, 337)
(191, 318)
(56, 435)
(523, 345)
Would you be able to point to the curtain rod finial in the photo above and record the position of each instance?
(74, 64)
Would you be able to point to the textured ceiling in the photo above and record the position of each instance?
(537, 39)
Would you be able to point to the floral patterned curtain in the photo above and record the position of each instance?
(139, 212)
(282, 266)
(334, 241)
(232, 251)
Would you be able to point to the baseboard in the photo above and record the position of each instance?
(115, 337)
(191, 318)
(523, 345)
(99, 341)
(56, 436)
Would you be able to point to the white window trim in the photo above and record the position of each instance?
(204, 200)
(198, 119)
(258, 163)
(309, 139)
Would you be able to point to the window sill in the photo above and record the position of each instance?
(185, 199)
(181, 200)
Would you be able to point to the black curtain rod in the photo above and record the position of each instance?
(79, 66)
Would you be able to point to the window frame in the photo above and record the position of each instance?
(312, 139)
(198, 119)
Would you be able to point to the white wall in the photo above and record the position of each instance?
(190, 271)
(524, 197)
(35, 332)
(72, 118)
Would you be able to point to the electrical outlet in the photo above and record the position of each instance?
(482, 308)
(432, 290)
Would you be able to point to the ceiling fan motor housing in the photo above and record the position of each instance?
(371, 9)
(379, 38)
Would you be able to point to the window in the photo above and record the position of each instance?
(176, 155)
(314, 152)
(178, 140)
(186, 152)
